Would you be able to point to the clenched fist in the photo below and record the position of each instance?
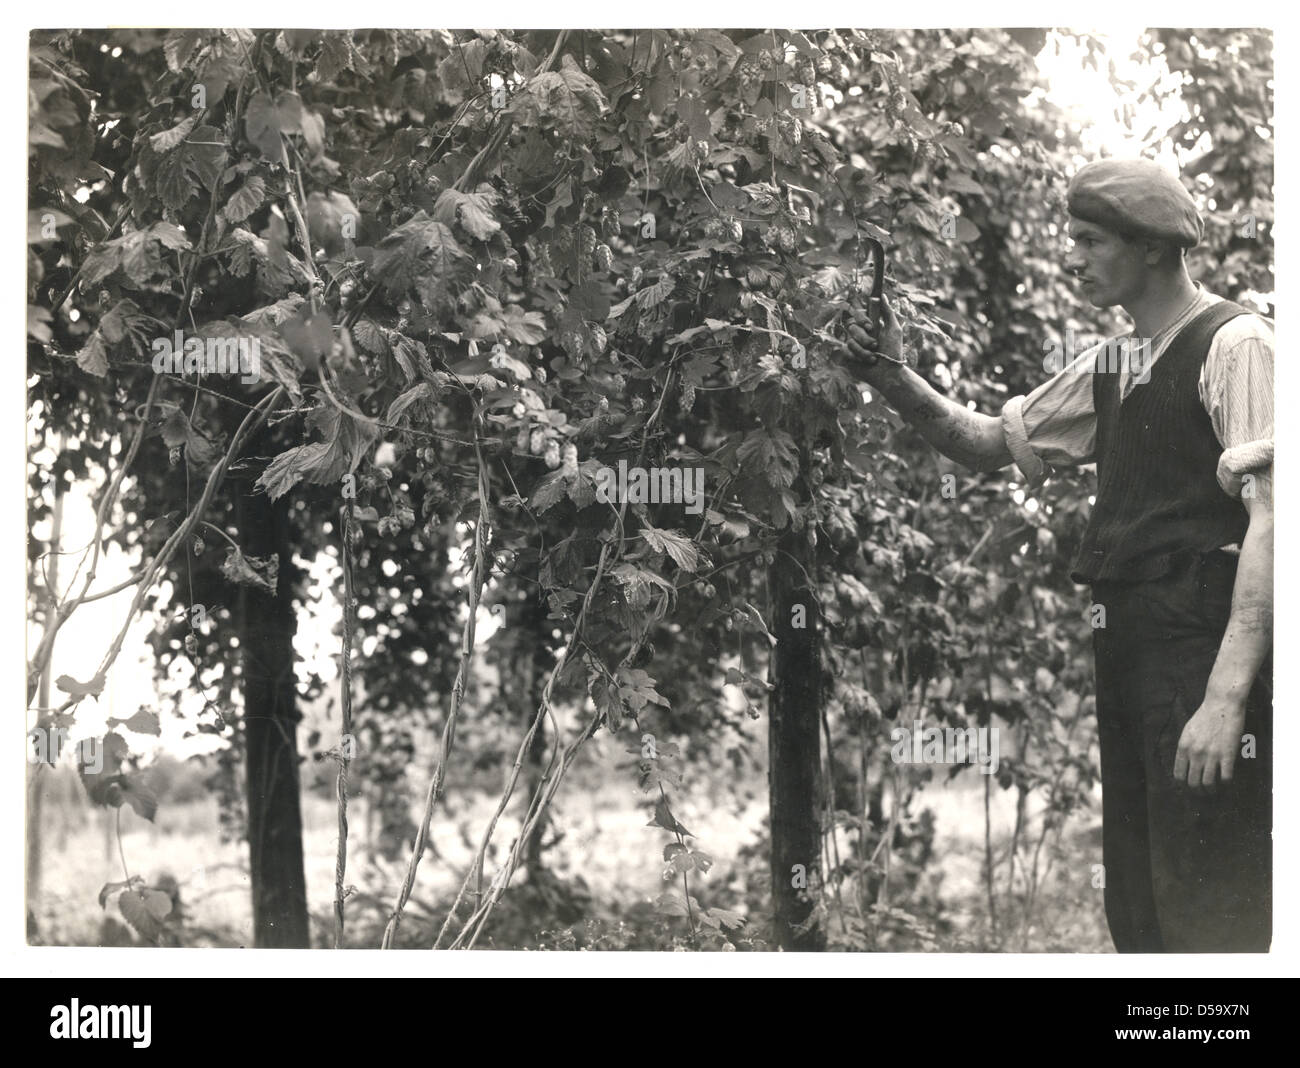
(867, 345)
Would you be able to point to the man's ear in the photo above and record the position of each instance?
(1159, 254)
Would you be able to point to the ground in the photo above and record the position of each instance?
(606, 844)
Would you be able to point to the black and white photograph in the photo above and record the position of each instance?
(640, 491)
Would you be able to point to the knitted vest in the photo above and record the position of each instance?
(1157, 495)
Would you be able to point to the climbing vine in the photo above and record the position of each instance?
(494, 292)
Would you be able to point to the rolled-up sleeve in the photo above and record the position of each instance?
(1238, 394)
(1031, 467)
(1055, 424)
(1251, 458)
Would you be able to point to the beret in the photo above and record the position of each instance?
(1135, 196)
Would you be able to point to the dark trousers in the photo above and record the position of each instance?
(1188, 870)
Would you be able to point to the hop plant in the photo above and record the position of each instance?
(571, 341)
(782, 236)
(687, 398)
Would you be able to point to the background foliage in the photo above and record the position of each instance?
(481, 266)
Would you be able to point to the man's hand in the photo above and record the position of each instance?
(863, 343)
(962, 435)
(1210, 742)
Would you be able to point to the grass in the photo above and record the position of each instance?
(607, 864)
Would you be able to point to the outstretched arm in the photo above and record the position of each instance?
(966, 437)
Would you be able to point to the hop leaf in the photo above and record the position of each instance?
(140, 796)
(678, 546)
(109, 889)
(257, 571)
(145, 910)
(664, 818)
(143, 722)
(472, 211)
(93, 358)
(420, 248)
(566, 100)
(69, 685)
(325, 218)
(345, 442)
(267, 120)
(246, 199)
(167, 140)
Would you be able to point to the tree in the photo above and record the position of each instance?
(490, 276)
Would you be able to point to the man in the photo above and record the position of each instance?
(1178, 552)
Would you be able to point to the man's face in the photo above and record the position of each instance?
(1110, 269)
